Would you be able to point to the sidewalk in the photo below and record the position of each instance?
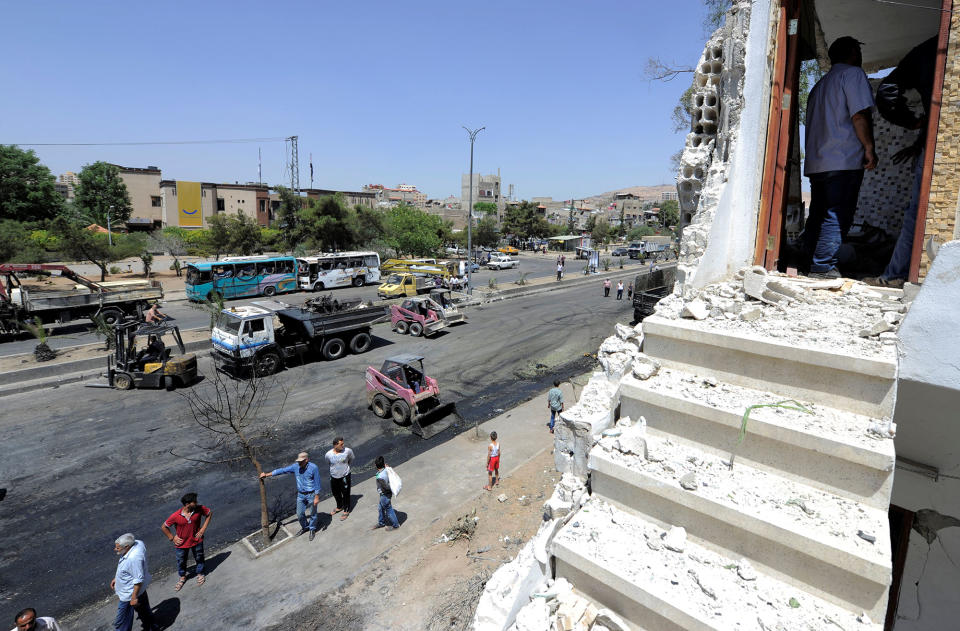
(243, 593)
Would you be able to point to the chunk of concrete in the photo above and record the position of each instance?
(508, 591)
(534, 616)
(609, 620)
(675, 539)
(645, 367)
(695, 309)
(632, 443)
(878, 327)
(749, 315)
(689, 481)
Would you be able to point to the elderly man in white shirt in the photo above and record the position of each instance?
(27, 620)
(839, 146)
(130, 583)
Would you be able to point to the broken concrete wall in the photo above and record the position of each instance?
(721, 166)
(928, 397)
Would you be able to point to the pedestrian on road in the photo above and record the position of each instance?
(554, 403)
(176, 267)
(308, 485)
(619, 290)
(27, 620)
(387, 514)
(493, 462)
(630, 290)
(606, 288)
(339, 458)
(563, 260)
(130, 584)
(559, 271)
(189, 524)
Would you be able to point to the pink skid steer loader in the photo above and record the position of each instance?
(403, 391)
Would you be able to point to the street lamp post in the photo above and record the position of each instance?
(473, 137)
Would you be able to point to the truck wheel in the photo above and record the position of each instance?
(122, 381)
(360, 343)
(359, 281)
(168, 383)
(270, 291)
(334, 348)
(111, 316)
(402, 327)
(416, 329)
(380, 405)
(318, 287)
(400, 412)
(266, 364)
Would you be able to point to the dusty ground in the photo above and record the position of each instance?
(434, 584)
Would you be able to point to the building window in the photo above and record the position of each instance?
(220, 205)
(203, 193)
(155, 201)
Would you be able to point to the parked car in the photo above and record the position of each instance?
(502, 261)
(456, 251)
(509, 250)
(620, 252)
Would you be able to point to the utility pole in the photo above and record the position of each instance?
(294, 165)
(473, 137)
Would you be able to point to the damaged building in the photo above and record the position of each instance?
(769, 451)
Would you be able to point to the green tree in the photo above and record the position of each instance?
(326, 224)
(218, 235)
(27, 191)
(600, 232)
(524, 221)
(17, 244)
(488, 208)
(640, 232)
(79, 243)
(669, 213)
(171, 239)
(369, 224)
(485, 233)
(287, 220)
(101, 191)
(244, 234)
(409, 230)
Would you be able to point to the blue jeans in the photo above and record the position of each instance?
(833, 203)
(553, 418)
(387, 513)
(124, 619)
(184, 553)
(899, 265)
(305, 503)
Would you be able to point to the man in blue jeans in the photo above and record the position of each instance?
(554, 403)
(839, 146)
(386, 512)
(308, 490)
(130, 584)
(189, 525)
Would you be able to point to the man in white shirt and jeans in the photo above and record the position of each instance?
(130, 583)
(839, 146)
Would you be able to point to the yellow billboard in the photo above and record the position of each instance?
(188, 204)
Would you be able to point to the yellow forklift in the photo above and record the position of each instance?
(154, 365)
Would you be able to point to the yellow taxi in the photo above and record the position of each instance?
(509, 250)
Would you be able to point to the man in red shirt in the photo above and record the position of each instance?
(190, 523)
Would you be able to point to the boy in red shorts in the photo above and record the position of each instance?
(493, 462)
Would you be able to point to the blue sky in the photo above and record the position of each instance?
(376, 91)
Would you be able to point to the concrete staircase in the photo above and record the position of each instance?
(800, 503)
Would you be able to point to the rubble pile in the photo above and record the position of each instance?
(557, 606)
(841, 314)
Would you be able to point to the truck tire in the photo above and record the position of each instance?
(380, 405)
(400, 412)
(318, 287)
(122, 381)
(402, 327)
(359, 281)
(266, 364)
(416, 329)
(334, 348)
(111, 315)
(168, 383)
(270, 291)
(360, 343)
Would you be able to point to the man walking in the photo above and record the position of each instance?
(130, 583)
(27, 620)
(339, 458)
(308, 486)
(387, 514)
(493, 462)
(839, 146)
(554, 403)
(559, 271)
(189, 524)
(606, 288)
(619, 290)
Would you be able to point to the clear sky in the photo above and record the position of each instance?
(376, 90)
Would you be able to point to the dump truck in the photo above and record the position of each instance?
(81, 299)
(407, 285)
(269, 335)
(649, 288)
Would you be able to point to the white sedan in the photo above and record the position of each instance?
(502, 262)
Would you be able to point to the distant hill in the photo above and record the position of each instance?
(643, 192)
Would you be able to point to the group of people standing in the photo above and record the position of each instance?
(561, 265)
(607, 285)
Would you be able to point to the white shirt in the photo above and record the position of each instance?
(132, 570)
(831, 142)
(339, 462)
(45, 624)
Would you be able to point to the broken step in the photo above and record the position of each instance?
(801, 535)
(863, 385)
(828, 449)
(618, 560)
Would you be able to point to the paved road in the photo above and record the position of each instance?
(83, 466)
(191, 315)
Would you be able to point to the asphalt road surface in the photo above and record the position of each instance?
(191, 315)
(82, 465)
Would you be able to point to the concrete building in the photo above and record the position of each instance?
(252, 200)
(486, 188)
(666, 196)
(402, 194)
(143, 185)
(351, 198)
(69, 181)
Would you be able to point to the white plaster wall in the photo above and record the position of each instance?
(734, 230)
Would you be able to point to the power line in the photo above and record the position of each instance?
(137, 143)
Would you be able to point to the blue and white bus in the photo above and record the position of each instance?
(338, 269)
(241, 277)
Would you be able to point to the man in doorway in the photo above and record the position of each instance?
(914, 72)
(839, 146)
(308, 486)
